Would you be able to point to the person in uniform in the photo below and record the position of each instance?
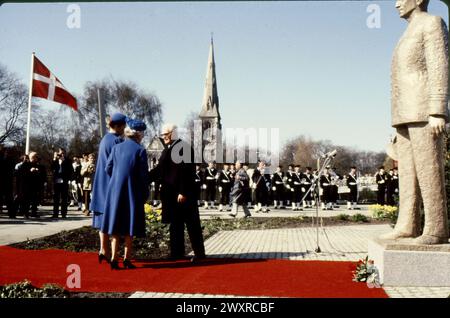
(224, 182)
(278, 188)
(380, 178)
(240, 191)
(211, 183)
(395, 182)
(390, 188)
(198, 183)
(101, 180)
(296, 189)
(289, 174)
(261, 185)
(325, 184)
(178, 195)
(352, 184)
(127, 192)
(307, 188)
(334, 188)
(232, 170)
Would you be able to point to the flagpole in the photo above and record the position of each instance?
(27, 142)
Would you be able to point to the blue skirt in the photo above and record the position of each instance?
(97, 220)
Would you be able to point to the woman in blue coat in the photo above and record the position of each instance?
(127, 192)
(117, 125)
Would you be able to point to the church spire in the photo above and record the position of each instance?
(210, 105)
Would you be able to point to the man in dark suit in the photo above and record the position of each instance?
(176, 173)
(6, 184)
(37, 177)
(62, 174)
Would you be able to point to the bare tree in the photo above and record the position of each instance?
(121, 96)
(13, 107)
(305, 152)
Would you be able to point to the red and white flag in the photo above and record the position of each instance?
(46, 85)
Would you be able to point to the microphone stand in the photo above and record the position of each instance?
(316, 183)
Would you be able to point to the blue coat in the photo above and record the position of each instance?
(127, 190)
(101, 178)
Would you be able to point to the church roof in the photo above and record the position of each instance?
(210, 105)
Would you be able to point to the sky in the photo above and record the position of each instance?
(308, 68)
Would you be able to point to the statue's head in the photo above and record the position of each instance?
(406, 7)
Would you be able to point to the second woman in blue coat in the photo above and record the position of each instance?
(127, 192)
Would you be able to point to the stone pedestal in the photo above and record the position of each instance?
(401, 263)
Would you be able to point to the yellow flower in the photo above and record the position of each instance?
(147, 208)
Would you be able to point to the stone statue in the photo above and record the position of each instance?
(419, 75)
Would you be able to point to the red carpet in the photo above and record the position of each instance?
(278, 278)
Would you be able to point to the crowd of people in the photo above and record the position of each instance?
(24, 183)
(295, 188)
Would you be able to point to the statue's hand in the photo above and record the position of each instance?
(437, 125)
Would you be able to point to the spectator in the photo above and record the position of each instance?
(75, 184)
(6, 184)
(87, 173)
(36, 177)
(21, 199)
(62, 173)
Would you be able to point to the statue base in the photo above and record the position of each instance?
(401, 263)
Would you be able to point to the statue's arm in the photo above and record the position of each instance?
(436, 55)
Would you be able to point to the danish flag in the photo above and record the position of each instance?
(46, 85)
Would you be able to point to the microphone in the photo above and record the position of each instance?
(331, 154)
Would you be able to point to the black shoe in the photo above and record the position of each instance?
(247, 216)
(102, 257)
(54, 216)
(63, 216)
(127, 264)
(231, 214)
(114, 264)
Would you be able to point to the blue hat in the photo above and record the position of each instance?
(118, 118)
(136, 124)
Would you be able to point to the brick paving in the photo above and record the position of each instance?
(338, 243)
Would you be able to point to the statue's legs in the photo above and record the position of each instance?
(408, 219)
(428, 153)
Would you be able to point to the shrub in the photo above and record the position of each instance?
(25, 289)
(343, 217)
(359, 218)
